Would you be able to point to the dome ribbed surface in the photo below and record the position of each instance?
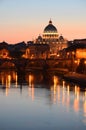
(50, 28)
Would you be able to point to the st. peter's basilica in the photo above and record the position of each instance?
(52, 38)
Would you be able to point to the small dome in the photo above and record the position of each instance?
(61, 38)
(50, 28)
(40, 37)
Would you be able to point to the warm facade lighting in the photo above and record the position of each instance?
(81, 53)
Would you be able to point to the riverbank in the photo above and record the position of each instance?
(75, 78)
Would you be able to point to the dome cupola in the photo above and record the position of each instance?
(50, 28)
(50, 33)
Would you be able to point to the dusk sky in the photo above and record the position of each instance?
(24, 20)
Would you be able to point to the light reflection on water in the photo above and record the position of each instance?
(40, 103)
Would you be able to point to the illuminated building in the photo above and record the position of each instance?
(76, 54)
(81, 53)
(50, 34)
(37, 51)
(76, 49)
(51, 37)
(4, 53)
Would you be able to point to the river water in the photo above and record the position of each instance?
(38, 102)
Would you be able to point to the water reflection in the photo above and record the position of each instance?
(6, 79)
(69, 95)
(31, 86)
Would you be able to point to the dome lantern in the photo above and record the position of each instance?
(50, 22)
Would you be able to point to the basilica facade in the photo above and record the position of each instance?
(47, 45)
(51, 37)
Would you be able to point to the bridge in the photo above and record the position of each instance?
(39, 64)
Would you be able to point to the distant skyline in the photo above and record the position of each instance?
(24, 20)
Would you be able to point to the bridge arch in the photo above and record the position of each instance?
(7, 65)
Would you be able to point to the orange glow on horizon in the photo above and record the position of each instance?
(16, 34)
(12, 40)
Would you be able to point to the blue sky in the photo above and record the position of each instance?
(26, 19)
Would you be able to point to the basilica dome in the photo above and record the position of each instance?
(50, 28)
(50, 33)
